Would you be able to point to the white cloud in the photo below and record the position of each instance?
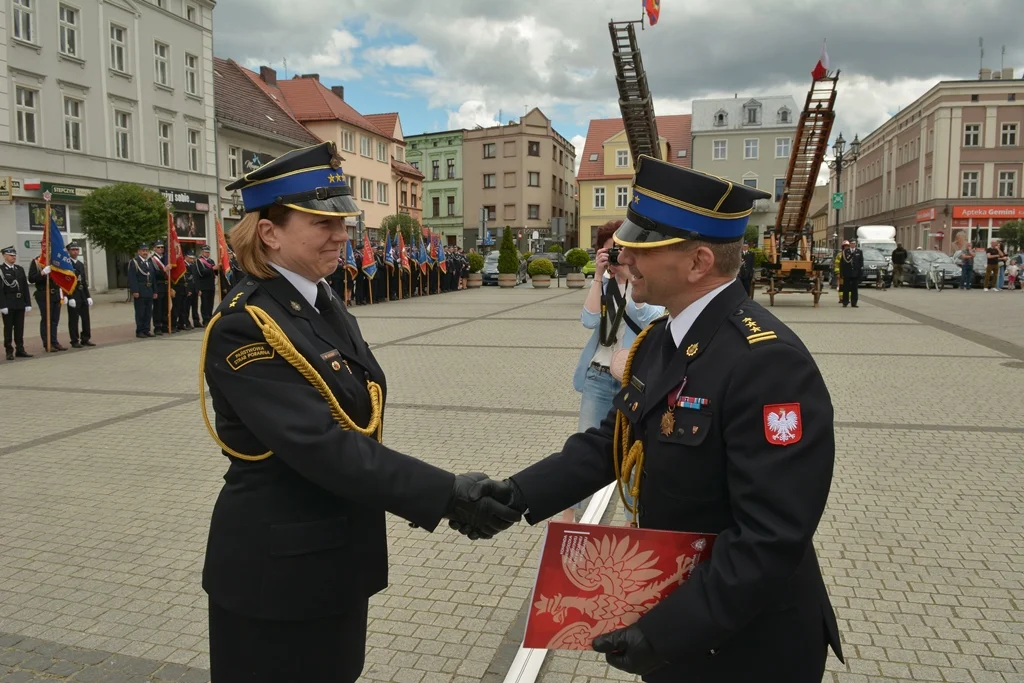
(578, 141)
(401, 56)
(335, 60)
(471, 114)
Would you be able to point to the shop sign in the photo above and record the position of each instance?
(987, 212)
(37, 216)
(6, 189)
(253, 160)
(926, 215)
(58, 191)
(182, 200)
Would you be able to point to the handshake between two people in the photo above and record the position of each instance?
(482, 507)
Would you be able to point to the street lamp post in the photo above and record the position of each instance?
(843, 159)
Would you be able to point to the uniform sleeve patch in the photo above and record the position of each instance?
(783, 424)
(249, 353)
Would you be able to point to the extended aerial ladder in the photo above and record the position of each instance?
(634, 95)
(790, 261)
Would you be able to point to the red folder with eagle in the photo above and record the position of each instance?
(594, 579)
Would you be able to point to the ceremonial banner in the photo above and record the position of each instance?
(594, 579)
(175, 259)
(401, 252)
(369, 261)
(62, 268)
(350, 260)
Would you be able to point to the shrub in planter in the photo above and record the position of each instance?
(476, 262)
(556, 249)
(508, 255)
(541, 266)
(577, 258)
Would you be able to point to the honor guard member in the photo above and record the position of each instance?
(703, 448)
(298, 541)
(39, 275)
(140, 284)
(191, 279)
(14, 303)
(79, 328)
(206, 283)
(158, 263)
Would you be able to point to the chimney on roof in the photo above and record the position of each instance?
(315, 77)
(985, 74)
(1008, 73)
(268, 75)
(339, 90)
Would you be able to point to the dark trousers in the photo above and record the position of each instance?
(160, 310)
(248, 650)
(180, 308)
(14, 330)
(54, 319)
(850, 286)
(78, 318)
(206, 298)
(193, 306)
(143, 314)
(746, 282)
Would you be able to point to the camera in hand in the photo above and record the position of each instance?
(613, 256)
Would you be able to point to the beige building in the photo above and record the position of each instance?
(817, 215)
(406, 180)
(520, 175)
(952, 161)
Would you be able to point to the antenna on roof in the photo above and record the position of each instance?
(981, 58)
(286, 68)
(1002, 59)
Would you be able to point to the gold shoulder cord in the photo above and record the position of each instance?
(633, 463)
(277, 339)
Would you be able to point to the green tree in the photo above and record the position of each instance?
(401, 222)
(577, 258)
(752, 235)
(508, 255)
(120, 217)
(1012, 234)
(555, 249)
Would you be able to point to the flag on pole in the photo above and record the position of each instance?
(62, 268)
(653, 8)
(424, 257)
(401, 253)
(175, 259)
(350, 260)
(433, 249)
(820, 69)
(441, 261)
(389, 253)
(223, 258)
(369, 262)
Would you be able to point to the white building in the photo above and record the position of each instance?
(96, 92)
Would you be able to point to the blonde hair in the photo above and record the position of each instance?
(245, 241)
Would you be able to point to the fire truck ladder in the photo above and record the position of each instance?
(789, 238)
(634, 95)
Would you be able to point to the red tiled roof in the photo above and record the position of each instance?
(240, 99)
(312, 101)
(674, 128)
(386, 123)
(402, 168)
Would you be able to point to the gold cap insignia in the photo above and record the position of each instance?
(691, 350)
(335, 157)
(295, 306)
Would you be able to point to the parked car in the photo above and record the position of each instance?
(557, 260)
(919, 262)
(490, 270)
(590, 269)
(876, 262)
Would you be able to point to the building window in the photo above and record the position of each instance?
(24, 20)
(415, 164)
(365, 146)
(533, 212)
(191, 74)
(164, 132)
(721, 118)
(750, 148)
(622, 158)
(972, 135)
(784, 115)
(533, 178)
(193, 149)
(233, 154)
(780, 188)
(752, 113)
(510, 179)
(1009, 135)
(719, 149)
(508, 212)
(382, 152)
(436, 205)
(782, 146)
(348, 141)
(118, 46)
(451, 206)
(122, 134)
(1007, 183)
(970, 184)
(26, 103)
(73, 124)
(161, 67)
(750, 182)
(405, 196)
(598, 197)
(191, 14)
(413, 194)
(399, 153)
(510, 148)
(451, 169)
(621, 196)
(489, 180)
(533, 148)
(489, 150)
(366, 189)
(492, 213)
(68, 17)
(382, 193)
(435, 173)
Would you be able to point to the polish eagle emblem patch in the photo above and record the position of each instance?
(783, 425)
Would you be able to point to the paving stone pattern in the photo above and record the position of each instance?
(104, 509)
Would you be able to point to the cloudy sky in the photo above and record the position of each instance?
(460, 63)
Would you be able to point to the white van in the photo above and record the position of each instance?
(880, 237)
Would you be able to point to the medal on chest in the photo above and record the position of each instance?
(668, 418)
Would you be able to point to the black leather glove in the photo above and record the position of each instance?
(479, 506)
(629, 650)
(506, 492)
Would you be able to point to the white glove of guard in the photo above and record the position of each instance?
(72, 303)
(3, 311)
(46, 270)
(28, 308)
(89, 301)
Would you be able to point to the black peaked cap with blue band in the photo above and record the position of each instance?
(672, 204)
(308, 179)
(9, 250)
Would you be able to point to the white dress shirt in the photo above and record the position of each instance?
(307, 288)
(681, 324)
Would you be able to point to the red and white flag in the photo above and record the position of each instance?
(820, 69)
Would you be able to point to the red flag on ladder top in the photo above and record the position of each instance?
(820, 69)
(653, 8)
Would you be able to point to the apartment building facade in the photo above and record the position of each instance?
(96, 92)
(747, 140)
(406, 180)
(606, 170)
(521, 175)
(951, 162)
(439, 157)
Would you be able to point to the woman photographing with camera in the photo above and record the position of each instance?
(616, 319)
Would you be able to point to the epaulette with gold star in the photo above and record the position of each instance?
(755, 327)
(235, 300)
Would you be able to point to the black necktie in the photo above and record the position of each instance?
(330, 313)
(669, 348)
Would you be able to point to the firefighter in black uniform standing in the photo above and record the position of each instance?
(711, 450)
(851, 268)
(158, 265)
(39, 275)
(298, 540)
(191, 280)
(206, 283)
(14, 303)
(79, 327)
(140, 285)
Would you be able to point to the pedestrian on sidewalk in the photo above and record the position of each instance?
(899, 259)
(992, 265)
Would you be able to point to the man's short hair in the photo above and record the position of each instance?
(728, 255)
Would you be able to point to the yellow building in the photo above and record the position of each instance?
(606, 170)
